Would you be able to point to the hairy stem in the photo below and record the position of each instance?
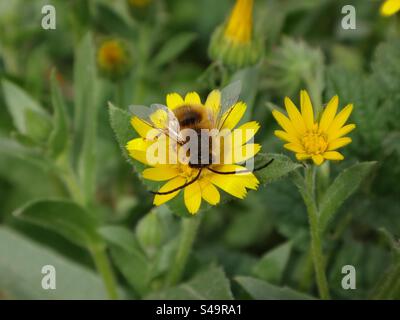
(103, 266)
(316, 243)
(188, 234)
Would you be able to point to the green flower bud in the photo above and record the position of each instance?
(140, 9)
(150, 232)
(234, 43)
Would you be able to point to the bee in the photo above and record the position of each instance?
(198, 119)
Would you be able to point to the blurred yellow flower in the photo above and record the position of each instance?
(113, 58)
(202, 184)
(311, 139)
(390, 7)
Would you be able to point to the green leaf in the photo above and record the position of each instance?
(84, 75)
(128, 257)
(210, 284)
(86, 113)
(59, 136)
(249, 78)
(262, 290)
(173, 48)
(272, 265)
(64, 217)
(25, 110)
(345, 184)
(121, 124)
(386, 68)
(12, 148)
(21, 263)
(280, 167)
(38, 127)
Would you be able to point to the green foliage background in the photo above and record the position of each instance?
(67, 194)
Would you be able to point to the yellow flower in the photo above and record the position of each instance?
(177, 174)
(390, 7)
(113, 59)
(234, 43)
(240, 23)
(312, 139)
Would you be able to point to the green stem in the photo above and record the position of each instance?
(188, 234)
(119, 90)
(68, 176)
(103, 266)
(99, 255)
(316, 244)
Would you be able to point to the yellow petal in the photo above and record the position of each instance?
(285, 136)
(245, 132)
(232, 116)
(295, 116)
(139, 156)
(295, 147)
(209, 192)
(174, 100)
(302, 156)
(161, 173)
(390, 7)
(170, 185)
(333, 155)
(318, 159)
(192, 98)
(306, 109)
(245, 152)
(285, 123)
(192, 196)
(329, 114)
(138, 144)
(140, 126)
(234, 184)
(338, 143)
(213, 101)
(343, 131)
(340, 120)
(249, 181)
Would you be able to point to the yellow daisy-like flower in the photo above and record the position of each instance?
(311, 139)
(113, 59)
(177, 174)
(390, 7)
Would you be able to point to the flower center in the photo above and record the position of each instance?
(314, 142)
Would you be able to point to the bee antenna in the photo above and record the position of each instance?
(242, 171)
(178, 188)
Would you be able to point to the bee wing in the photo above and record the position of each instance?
(170, 122)
(158, 117)
(229, 97)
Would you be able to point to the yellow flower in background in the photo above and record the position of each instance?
(240, 23)
(310, 138)
(234, 42)
(113, 59)
(390, 7)
(206, 182)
